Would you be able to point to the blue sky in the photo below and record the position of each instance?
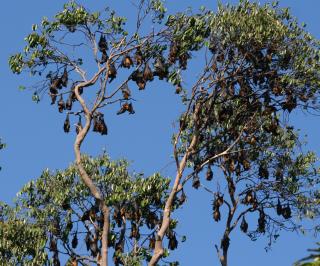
(35, 139)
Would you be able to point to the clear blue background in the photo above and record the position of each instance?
(35, 139)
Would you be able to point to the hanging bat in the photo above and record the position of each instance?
(64, 78)
(104, 58)
(196, 182)
(209, 174)
(141, 83)
(126, 62)
(112, 72)
(178, 89)
(79, 125)
(61, 105)
(182, 198)
(126, 93)
(99, 125)
(66, 125)
(173, 242)
(138, 57)
(261, 222)
(147, 73)
(56, 83)
(53, 94)
(102, 126)
(244, 225)
(126, 107)
(136, 75)
(69, 103)
(216, 215)
(102, 44)
(74, 242)
(173, 53)
(183, 61)
(286, 212)
(279, 208)
(160, 69)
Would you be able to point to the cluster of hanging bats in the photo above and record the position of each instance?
(151, 221)
(140, 76)
(250, 199)
(91, 238)
(57, 84)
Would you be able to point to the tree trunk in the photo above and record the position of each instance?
(88, 181)
(105, 232)
(158, 251)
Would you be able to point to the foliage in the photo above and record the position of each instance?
(262, 67)
(51, 221)
(21, 242)
(258, 66)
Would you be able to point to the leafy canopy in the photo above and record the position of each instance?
(51, 221)
(258, 66)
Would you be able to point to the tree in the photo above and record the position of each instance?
(54, 223)
(20, 242)
(259, 65)
(233, 126)
(43, 54)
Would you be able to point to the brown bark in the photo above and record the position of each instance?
(105, 232)
(158, 251)
(86, 178)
